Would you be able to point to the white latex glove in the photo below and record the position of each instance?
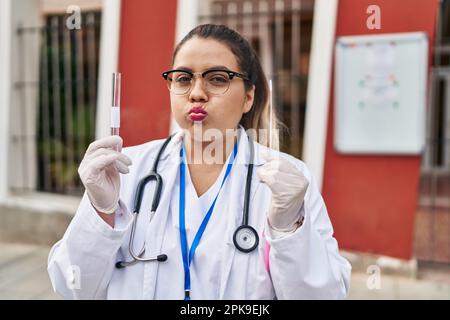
(288, 185)
(99, 172)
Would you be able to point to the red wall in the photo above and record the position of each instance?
(147, 39)
(372, 199)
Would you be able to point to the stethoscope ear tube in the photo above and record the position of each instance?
(153, 175)
(141, 188)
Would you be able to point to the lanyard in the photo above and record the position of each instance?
(187, 259)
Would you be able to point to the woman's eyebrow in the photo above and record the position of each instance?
(207, 69)
(184, 69)
(217, 67)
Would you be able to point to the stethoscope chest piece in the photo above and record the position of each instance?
(245, 238)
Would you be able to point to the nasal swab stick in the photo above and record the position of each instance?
(115, 106)
(271, 113)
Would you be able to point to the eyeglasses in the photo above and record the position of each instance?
(216, 81)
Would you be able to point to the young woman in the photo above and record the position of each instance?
(218, 231)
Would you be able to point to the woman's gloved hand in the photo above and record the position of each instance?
(288, 187)
(99, 171)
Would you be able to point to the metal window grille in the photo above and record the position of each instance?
(437, 154)
(432, 241)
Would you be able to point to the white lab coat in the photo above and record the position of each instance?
(304, 264)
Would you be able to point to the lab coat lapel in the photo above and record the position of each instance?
(234, 208)
(167, 168)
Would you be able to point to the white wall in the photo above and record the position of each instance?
(187, 19)
(24, 100)
(317, 105)
(5, 92)
(109, 58)
(17, 110)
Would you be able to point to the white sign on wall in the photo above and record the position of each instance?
(380, 93)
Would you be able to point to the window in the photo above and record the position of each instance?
(66, 94)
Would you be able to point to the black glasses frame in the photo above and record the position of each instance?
(231, 74)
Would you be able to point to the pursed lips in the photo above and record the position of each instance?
(197, 114)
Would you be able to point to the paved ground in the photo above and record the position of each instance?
(23, 272)
(23, 275)
(395, 287)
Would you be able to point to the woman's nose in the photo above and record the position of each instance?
(198, 92)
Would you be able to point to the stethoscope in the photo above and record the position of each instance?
(245, 237)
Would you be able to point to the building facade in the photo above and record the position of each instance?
(55, 99)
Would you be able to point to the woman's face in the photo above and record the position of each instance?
(223, 111)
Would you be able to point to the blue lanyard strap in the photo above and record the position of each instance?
(187, 259)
